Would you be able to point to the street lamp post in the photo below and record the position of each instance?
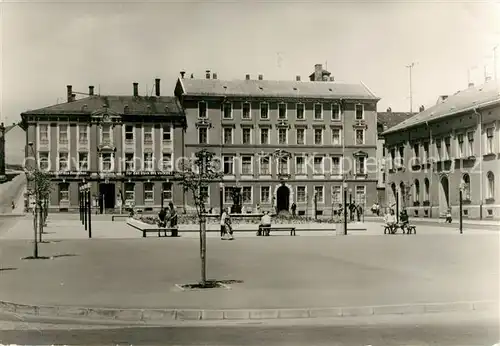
(89, 198)
(460, 198)
(345, 208)
(397, 207)
(84, 205)
(351, 216)
(316, 205)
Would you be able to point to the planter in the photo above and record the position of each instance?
(489, 200)
(426, 203)
(416, 204)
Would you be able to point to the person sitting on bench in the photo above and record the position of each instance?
(162, 222)
(390, 219)
(404, 218)
(265, 222)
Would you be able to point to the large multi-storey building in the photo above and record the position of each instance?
(451, 146)
(284, 142)
(123, 145)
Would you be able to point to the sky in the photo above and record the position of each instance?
(48, 45)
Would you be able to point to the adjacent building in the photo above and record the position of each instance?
(14, 146)
(284, 142)
(386, 120)
(452, 146)
(123, 145)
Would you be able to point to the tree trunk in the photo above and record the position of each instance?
(40, 224)
(203, 245)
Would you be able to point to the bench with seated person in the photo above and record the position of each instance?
(265, 226)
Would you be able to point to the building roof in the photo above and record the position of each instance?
(465, 100)
(390, 119)
(272, 88)
(10, 127)
(136, 105)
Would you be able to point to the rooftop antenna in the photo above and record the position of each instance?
(410, 67)
(326, 65)
(495, 67)
(99, 89)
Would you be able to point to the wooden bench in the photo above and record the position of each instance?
(125, 216)
(408, 229)
(159, 230)
(265, 231)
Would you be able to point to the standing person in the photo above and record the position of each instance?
(228, 228)
(448, 216)
(13, 205)
(172, 218)
(294, 208)
(223, 218)
(359, 211)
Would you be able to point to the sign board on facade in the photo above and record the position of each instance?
(150, 173)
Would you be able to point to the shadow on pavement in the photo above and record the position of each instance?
(7, 269)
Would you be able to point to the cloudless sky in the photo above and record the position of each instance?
(47, 45)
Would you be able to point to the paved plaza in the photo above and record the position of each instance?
(275, 272)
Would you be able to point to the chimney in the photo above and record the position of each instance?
(192, 75)
(69, 92)
(73, 97)
(157, 87)
(389, 110)
(247, 77)
(136, 89)
(182, 74)
(261, 77)
(421, 109)
(471, 85)
(297, 78)
(318, 72)
(332, 79)
(207, 74)
(91, 90)
(214, 75)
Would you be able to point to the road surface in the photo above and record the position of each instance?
(432, 329)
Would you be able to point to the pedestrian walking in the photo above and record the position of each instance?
(294, 208)
(223, 218)
(448, 216)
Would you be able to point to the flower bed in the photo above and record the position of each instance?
(193, 219)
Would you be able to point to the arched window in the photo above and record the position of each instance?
(466, 187)
(416, 192)
(490, 193)
(426, 189)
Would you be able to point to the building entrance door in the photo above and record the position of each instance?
(106, 197)
(282, 198)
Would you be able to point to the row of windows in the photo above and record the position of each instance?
(282, 134)
(464, 145)
(283, 108)
(106, 162)
(129, 192)
(301, 194)
(415, 187)
(283, 165)
(105, 131)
